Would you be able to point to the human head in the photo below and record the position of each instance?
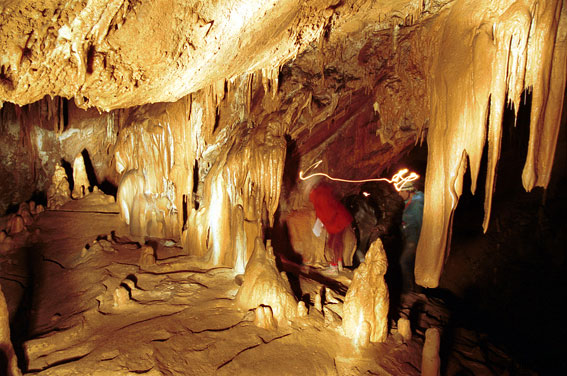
(407, 190)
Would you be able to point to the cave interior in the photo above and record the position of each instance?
(155, 218)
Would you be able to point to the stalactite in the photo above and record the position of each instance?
(545, 48)
(243, 183)
(484, 55)
(144, 155)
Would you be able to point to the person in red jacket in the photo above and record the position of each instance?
(334, 216)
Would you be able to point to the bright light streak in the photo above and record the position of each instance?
(398, 180)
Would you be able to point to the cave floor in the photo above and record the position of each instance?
(91, 304)
(95, 310)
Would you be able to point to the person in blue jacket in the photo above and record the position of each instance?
(411, 228)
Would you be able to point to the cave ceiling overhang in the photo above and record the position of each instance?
(120, 53)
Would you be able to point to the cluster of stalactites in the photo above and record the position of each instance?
(487, 53)
(238, 167)
(240, 196)
(146, 194)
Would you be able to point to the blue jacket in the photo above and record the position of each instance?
(412, 217)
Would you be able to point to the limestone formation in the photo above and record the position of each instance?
(516, 51)
(430, 362)
(58, 192)
(302, 309)
(367, 299)
(205, 125)
(318, 303)
(264, 286)
(16, 225)
(147, 256)
(378, 75)
(25, 212)
(404, 329)
(310, 247)
(81, 185)
(264, 318)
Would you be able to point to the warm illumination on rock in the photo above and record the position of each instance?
(147, 256)
(489, 53)
(58, 192)
(264, 286)
(430, 362)
(264, 318)
(16, 225)
(404, 329)
(81, 183)
(367, 299)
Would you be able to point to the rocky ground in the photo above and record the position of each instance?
(86, 298)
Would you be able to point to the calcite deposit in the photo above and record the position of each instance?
(81, 183)
(58, 192)
(265, 290)
(367, 300)
(195, 119)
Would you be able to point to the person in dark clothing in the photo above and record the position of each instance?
(411, 229)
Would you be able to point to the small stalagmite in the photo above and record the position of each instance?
(367, 298)
(264, 286)
(147, 256)
(404, 328)
(81, 183)
(302, 309)
(58, 192)
(430, 362)
(16, 225)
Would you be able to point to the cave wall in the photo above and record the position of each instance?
(37, 136)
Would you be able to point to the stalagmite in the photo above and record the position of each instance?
(302, 309)
(144, 157)
(404, 328)
(430, 362)
(305, 243)
(16, 225)
(58, 192)
(364, 334)
(147, 256)
(367, 298)
(11, 361)
(264, 286)
(81, 183)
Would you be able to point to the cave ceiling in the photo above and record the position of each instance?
(121, 53)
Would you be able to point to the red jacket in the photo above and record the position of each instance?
(329, 210)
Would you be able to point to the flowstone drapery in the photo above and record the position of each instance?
(488, 53)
